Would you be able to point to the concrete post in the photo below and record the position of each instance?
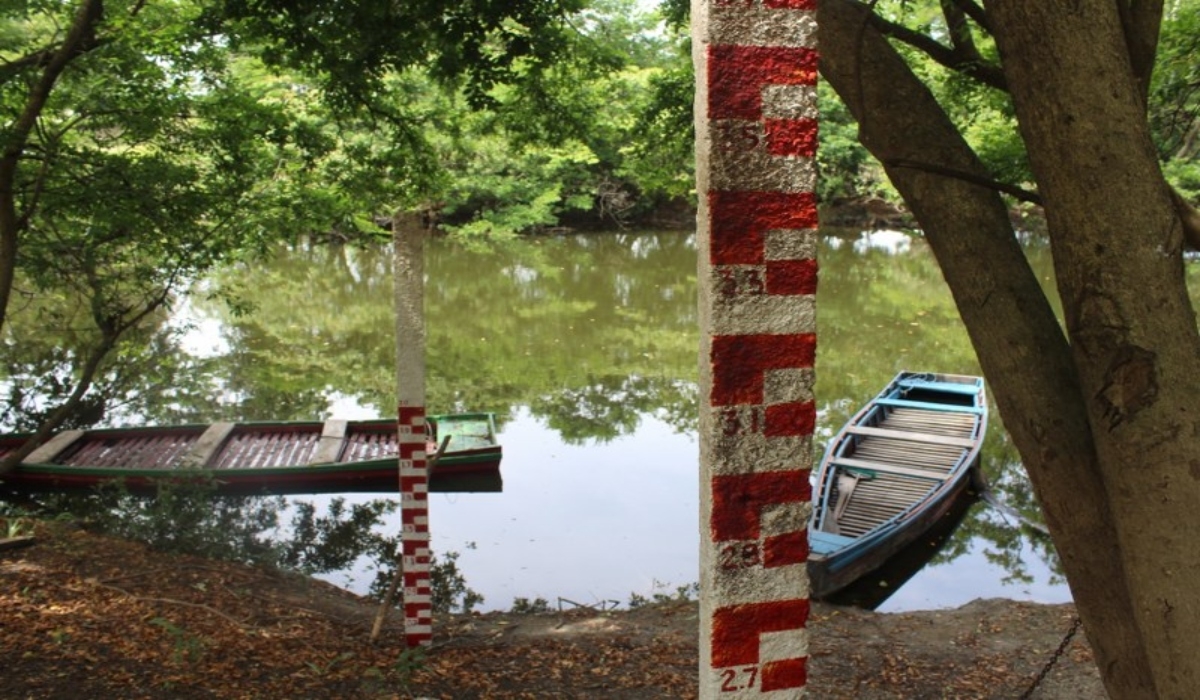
(409, 285)
(756, 128)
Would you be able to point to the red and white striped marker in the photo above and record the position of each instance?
(409, 285)
(756, 119)
(414, 538)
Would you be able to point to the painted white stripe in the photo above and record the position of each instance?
(748, 315)
(791, 244)
(737, 167)
(789, 101)
(782, 645)
(759, 585)
(755, 25)
(742, 454)
(791, 385)
(784, 518)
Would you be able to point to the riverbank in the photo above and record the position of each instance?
(88, 616)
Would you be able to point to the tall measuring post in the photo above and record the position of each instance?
(408, 233)
(756, 131)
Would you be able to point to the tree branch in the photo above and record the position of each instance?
(1141, 21)
(960, 32)
(975, 12)
(1018, 193)
(1190, 218)
(974, 67)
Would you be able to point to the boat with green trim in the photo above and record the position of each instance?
(262, 458)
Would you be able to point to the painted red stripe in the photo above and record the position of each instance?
(410, 414)
(738, 363)
(736, 75)
(739, 221)
(791, 419)
(791, 277)
(790, 4)
(781, 675)
(736, 630)
(738, 500)
(785, 550)
(791, 137)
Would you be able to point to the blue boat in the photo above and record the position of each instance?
(892, 474)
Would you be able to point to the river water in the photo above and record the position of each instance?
(585, 348)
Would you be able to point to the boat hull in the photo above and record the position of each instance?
(261, 458)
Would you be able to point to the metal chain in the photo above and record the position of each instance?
(1053, 659)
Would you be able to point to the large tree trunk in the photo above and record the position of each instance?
(1018, 341)
(1116, 238)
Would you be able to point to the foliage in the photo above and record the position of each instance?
(845, 169)
(408, 662)
(186, 647)
(659, 595)
(181, 517)
(189, 518)
(1175, 86)
(353, 46)
(334, 541)
(450, 590)
(525, 606)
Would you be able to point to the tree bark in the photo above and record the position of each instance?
(1116, 237)
(1018, 340)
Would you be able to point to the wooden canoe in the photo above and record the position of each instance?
(335, 456)
(892, 473)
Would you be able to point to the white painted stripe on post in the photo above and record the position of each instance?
(791, 244)
(791, 385)
(747, 24)
(789, 101)
(765, 314)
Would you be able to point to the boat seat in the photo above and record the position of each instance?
(882, 468)
(948, 387)
(329, 446)
(55, 446)
(931, 438)
(206, 447)
(822, 542)
(928, 406)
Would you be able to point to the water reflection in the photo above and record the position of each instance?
(585, 347)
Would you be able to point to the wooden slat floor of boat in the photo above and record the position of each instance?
(933, 427)
(934, 422)
(880, 499)
(367, 445)
(267, 448)
(155, 451)
(900, 447)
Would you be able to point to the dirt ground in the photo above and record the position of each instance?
(83, 616)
